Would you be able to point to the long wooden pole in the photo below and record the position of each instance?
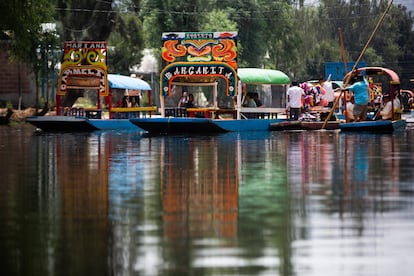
(357, 61)
(346, 69)
(341, 40)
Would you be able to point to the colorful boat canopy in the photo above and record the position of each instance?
(262, 76)
(394, 78)
(125, 82)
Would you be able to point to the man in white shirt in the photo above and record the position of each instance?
(329, 95)
(295, 96)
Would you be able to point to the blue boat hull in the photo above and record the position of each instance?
(380, 126)
(201, 125)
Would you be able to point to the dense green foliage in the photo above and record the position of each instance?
(279, 34)
(20, 22)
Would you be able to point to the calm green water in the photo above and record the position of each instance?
(273, 203)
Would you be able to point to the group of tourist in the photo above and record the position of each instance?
(301, 97)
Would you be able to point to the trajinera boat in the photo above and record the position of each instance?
(113, 99)
(382, 81)
(204, 65)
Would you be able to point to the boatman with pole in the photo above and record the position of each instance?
(360, 89)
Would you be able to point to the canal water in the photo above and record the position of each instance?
(267, 203)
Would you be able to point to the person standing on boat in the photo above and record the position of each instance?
(329, 95)
(360, 89)
(295, 96)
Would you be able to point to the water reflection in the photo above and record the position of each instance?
(355, 218)
(270, 203)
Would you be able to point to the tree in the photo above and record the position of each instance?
(86, 19)
(126, 44)
(218, 20)
(22, 19)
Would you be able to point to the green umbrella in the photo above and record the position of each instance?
(262, 76)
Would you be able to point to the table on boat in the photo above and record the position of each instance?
(131, 112)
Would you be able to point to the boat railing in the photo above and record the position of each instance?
(175, 112)
(73, 111)
(200, 112)
(219, 113)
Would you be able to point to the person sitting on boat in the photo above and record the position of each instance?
(257, 100)
(183, 100)
(386, 110)
(349, 113)
(295, 96)
(361, 97)
(190, 101)
(249, 101)
(126, 102)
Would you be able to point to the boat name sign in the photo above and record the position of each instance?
(222, 70)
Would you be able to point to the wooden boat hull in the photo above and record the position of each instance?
(61, 123)
(175, 125)
(78, 124)
(304, 125)
(380, 126)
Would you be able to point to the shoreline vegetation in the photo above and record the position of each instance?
(21, 115)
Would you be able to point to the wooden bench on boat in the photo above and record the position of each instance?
(131, 112)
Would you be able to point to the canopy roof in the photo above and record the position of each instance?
(394, 78)
(125, 82)
(262, 76)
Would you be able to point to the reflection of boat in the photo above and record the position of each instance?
(200, 199)
(81, 74)
(207, 68)
(377, 75)
(304, 125)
